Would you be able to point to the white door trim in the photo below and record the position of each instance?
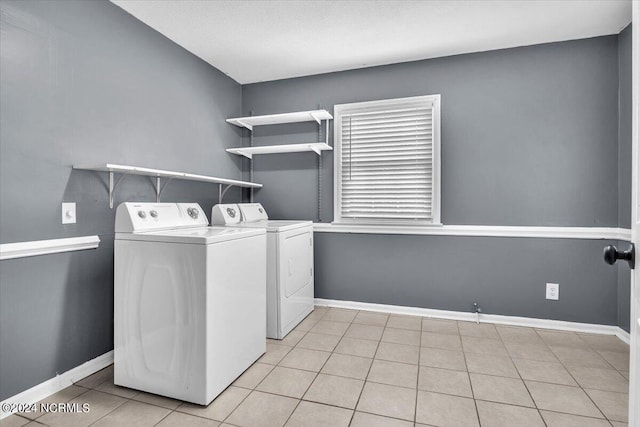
(634, 370)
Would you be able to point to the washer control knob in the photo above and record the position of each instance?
(193, 213)
(154, 214)
(142, 214)
(260, 210)
(231, 212)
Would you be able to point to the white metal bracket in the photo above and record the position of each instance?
(222, 192)
(159, 188)
(316, 118)
(113, 186)
(245, 124)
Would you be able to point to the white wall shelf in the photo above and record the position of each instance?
(112, 169)
(249, 152)
(276, 119)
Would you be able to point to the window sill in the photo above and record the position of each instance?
(597, 233)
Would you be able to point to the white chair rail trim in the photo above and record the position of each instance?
(593, 233)
(46, 247)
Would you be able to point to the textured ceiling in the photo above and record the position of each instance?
(254, 41)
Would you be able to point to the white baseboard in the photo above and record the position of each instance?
(59, 382)
(558, 325)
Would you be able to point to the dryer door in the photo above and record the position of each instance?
(295, 275)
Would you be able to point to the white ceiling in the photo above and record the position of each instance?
(255, 41)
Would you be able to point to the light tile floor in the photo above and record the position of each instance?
(364, 369)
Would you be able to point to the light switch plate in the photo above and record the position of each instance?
(68, 213)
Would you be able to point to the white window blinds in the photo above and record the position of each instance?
(388, 166)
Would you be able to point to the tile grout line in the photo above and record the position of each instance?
(300, 400)
(105, 415)
(583, 416)
(364, 382)
(86, 390)
(571, 375)
(527, 387)
(466, 366)
(369, 370)
(269, 373)
(535, 405)
(415, 409)
(166, 416)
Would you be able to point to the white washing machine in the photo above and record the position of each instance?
(290, 289)
(189, 303)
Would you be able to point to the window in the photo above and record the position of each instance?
(388, 162)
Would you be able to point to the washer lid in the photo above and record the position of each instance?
(275, 225)
(197, 235)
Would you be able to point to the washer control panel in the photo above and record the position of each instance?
(193, 213)
(137, 217)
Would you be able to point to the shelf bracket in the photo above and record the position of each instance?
(315, 149)
(159, 188)
(222, 192)
(113, 185)
(315, 117)
(247, 125)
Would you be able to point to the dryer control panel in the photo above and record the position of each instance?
(252, 212)
(225, 214)
(136, 217)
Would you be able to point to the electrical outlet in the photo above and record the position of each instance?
(68, 213)
(553, 291)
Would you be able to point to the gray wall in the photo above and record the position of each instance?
(529, 137)
(83, 82)
(624, 170)
(504, 275)
(523, 131)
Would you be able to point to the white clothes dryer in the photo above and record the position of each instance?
(189, 303)
(290, 284)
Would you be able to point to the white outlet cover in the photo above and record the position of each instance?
(553, 291)
(68, 213)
